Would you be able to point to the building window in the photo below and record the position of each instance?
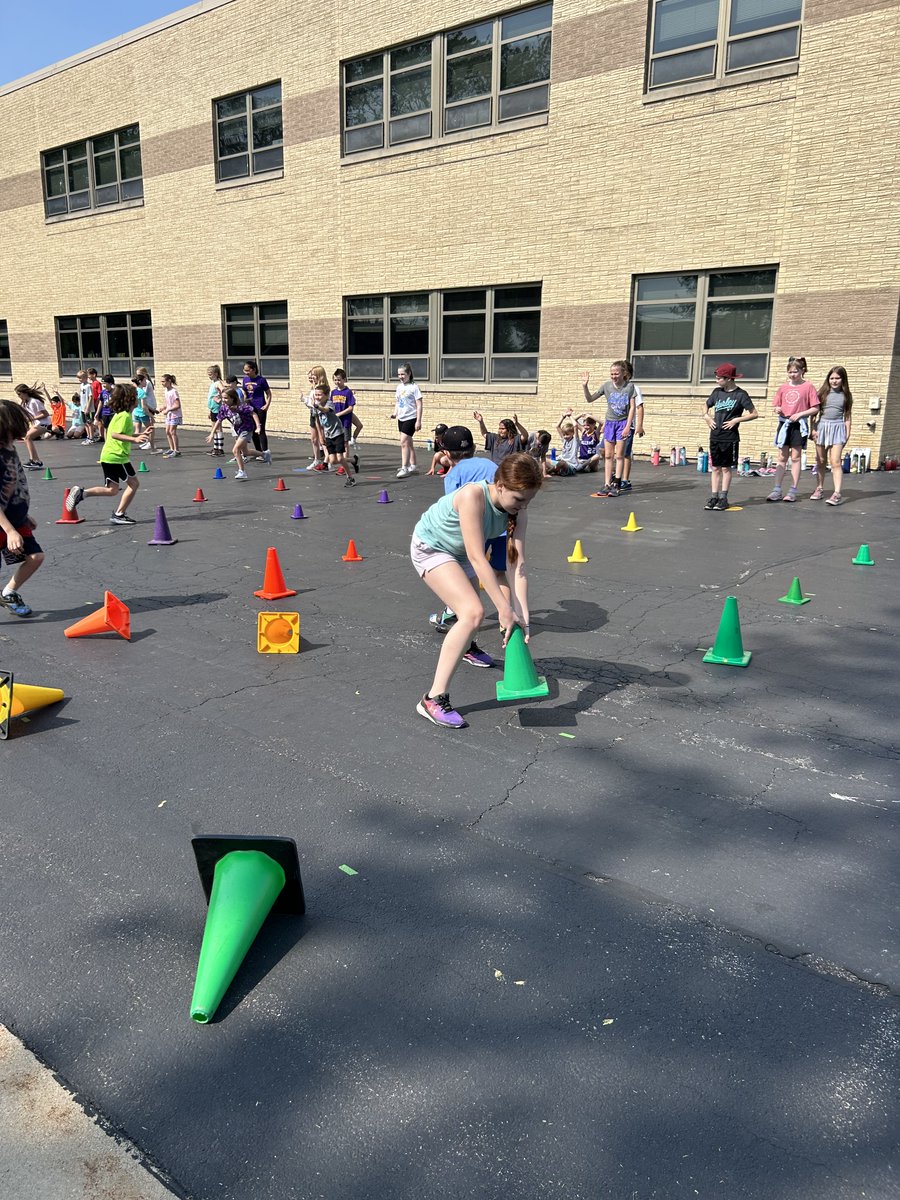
(258, 332)
(92, 174)
(5, 360)
(113, 343)
(712, 39)
(683, 326)
(477, 335)
(483, 76)
(249, 133)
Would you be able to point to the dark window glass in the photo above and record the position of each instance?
(680, 23)
(365, 306)
(231, 106)
(667, 287)
(411, 92)
(69, 345)
(678, 68)
(273, 339)
(364, 68)
(265, 97)
(741, 283)
(769, 47)
(469, 76)
(91, 343)
(232, 137)
(462, 301)
(738, 324)
(517, 333)
(266, 128)
(409, 56)
(276, 311)
(409, 335)
(117, 343)
(467, 39)
(365, 103)
(749, 15)
(524, 62)
(664, 327)
(467, 116)
(520, 23)
(130, 162)
(365, 336)
(464, 334)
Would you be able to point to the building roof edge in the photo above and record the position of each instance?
(198, 9)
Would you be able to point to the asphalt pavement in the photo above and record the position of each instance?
(638, 939)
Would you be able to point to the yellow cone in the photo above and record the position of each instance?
(632, 526)
(578, 555)
(19, 698)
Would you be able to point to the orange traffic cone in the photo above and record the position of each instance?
(274, 587)
(113, 617)
(279, 486)
(69, 518)
(352, 554)
(199, 498)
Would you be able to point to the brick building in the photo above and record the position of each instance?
(504, 194)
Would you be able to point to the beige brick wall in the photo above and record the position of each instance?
(797, 171)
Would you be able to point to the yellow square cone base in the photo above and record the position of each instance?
(278, 633)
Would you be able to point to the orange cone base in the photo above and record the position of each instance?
(113, 617)
(278, 633)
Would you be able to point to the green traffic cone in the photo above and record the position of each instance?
(246, 884)
(143, 467)
(729, 648)
(520, 679)
(795, 594)
(48, 474)
(864, 558)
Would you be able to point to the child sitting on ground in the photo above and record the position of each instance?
(567, 461)
(441, 462)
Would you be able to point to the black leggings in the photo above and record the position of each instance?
(260, 440)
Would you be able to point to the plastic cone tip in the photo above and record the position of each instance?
(220, 474)
(384, 498)
(199, 498)
(246, 884)
(27, 697)
(162, 535)
(352, 554)
(864, 557)
(578, 555)
(297, 514)
(113, 617)
(280, 486)
(795, 594)
(143, 468)
(632, 526)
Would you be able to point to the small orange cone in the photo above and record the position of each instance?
(352, 554)
(279, 486)
(278, 633)
(199, 498)
(274, 587)
(69, 518)
(113, 617)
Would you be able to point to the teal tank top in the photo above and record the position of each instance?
(438, 527)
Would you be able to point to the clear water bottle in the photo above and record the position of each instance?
(429, 445)
(682, 456)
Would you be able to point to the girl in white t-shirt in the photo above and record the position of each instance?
(173, 416)
(32, 400)
(408, 415)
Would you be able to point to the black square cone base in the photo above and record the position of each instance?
(209, 848)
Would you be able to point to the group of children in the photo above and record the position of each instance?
(803, 412)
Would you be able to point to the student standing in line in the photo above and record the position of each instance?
(620, 404)
(115, 457)
(104, 408)
(345, 406)
(727, 407)
(315, 377)
(447, 551)
(18, 544)
(173, 416)
(794, 403)
(334, 436)
(86, 401)
(259, 395)
(96, 388)
(832, 432)
(636, 428)
(408, 415)
(213, 403)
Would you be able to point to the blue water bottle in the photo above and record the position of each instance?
(553, 454)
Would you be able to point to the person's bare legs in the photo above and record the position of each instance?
(457, 592)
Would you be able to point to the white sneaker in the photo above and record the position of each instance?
(144, 446)
(401, 474)
(240, 474)
(267, 456)
(412, 469)
(353, 441)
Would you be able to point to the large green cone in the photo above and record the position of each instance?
(520, 679)
(246, 884)
(729, 648)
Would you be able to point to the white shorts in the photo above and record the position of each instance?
(426, 558)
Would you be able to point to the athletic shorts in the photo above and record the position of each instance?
(173, 419)
(105, 420)
(795, 439)
(426, 558)
(495, 549)
(614, 431)
(629, 442)
(335, 445)
(12, 557)
(724, 453)
(407, 427)
(117, 472)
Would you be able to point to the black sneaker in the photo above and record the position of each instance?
(74, 498)
(121, 519)
(33, 464)
(611, 491)
(14, 602)
(355, 461)
(711, 503)
(350, 482)
(625, 485)
(721, 504)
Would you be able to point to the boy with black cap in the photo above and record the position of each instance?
(727, 407)
(440, 462)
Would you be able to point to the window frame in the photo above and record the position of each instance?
(720, 76)
(440, 58)
(91, 154)
(277, 379)
(251, 175)
(434, 377)
(5, 359)
(101, 362)
(697, 352)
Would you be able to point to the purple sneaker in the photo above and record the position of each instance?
(476, 657)
(438, 710)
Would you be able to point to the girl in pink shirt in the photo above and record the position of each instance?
(794, 403)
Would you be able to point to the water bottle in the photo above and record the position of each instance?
(654, 457)
(553, 454)
(682, 456)
(845, 466)
(700, 466)
(745, 465)
(673, 457)
(429, 445)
